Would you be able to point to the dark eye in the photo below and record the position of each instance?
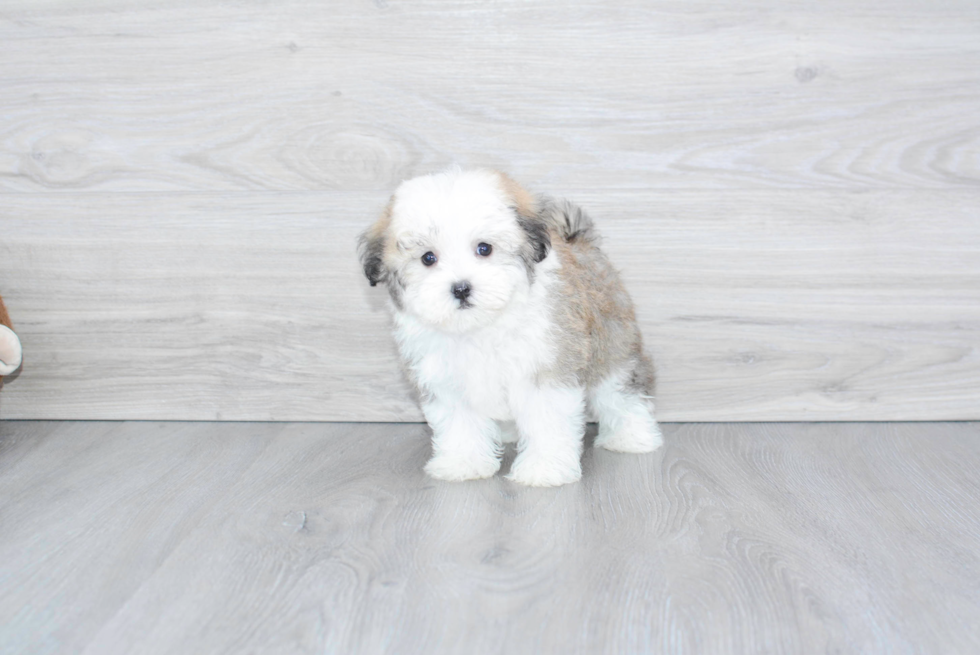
(429, 259)
(484, 249)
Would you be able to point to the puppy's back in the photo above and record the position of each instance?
(591, 307)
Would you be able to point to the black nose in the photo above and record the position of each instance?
(461, 290)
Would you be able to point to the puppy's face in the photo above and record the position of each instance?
(455, 248)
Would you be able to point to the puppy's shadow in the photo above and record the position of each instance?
(510, 450)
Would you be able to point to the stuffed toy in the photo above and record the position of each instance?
(10, 350)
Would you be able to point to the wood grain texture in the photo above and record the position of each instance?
(794, 304)
(305, 95)
(327, 538)
(791, 190)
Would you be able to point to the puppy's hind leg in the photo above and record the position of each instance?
(625, 414)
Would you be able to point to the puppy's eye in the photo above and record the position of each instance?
(484, 249)
(429, 259)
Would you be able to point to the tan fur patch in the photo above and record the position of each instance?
(4, 320)
(523, 200)
(594, 315)
(379, 230)
(4, 316)
(374, 245)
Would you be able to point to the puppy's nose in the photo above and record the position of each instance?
(461, 290)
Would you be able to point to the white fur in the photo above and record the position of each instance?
(482, 370)
(626, 422)
(449, 215)
(481, 378)
(551, 424)
(10, 351)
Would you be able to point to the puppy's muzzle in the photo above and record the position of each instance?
(462, 292)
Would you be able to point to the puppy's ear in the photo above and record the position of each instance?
(371, 247)
(529, 219)
(538, 239)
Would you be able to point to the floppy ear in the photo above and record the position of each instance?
(538, 239)
(371, 247)
(529, 219)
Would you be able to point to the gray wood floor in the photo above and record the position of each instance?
(301, 537)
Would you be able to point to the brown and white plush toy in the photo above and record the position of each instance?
(10, 350)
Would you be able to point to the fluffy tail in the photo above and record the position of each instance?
(569, 221)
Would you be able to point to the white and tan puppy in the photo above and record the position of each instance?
(512, 324)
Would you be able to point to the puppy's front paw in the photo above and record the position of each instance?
(455, 468)
(537, 471)
(633, 435)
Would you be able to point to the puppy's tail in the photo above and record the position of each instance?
(568, 220)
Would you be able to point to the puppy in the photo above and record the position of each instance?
(511, 324)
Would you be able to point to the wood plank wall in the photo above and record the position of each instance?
(791, 189)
